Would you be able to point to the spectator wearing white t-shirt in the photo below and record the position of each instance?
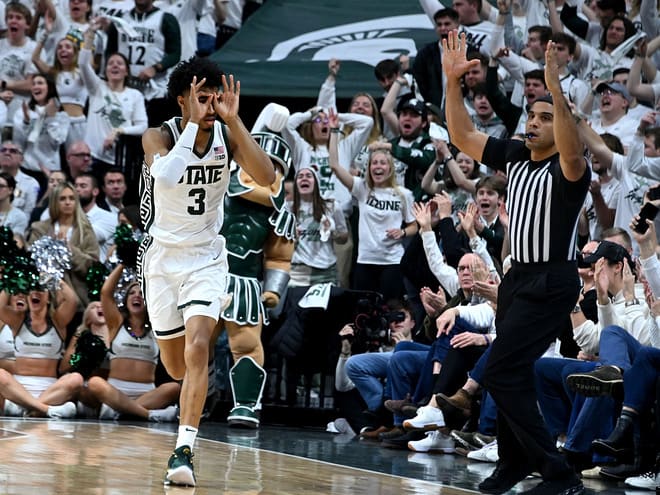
(16, 59)
(386, 219)
(318, 224)
(627, 169)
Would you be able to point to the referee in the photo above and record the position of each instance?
(548, 182)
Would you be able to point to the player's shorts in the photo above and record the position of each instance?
(36, 385)
(183, 281)
(131, 389)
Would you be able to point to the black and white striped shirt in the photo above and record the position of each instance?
(543, 205)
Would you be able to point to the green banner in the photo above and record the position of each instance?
(283, 49)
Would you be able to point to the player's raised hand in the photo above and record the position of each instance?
(454, 56)
(551, 71)
(226, 103)
(198, 109)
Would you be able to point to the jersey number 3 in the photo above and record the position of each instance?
(198, 195)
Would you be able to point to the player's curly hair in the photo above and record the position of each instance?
(183, 74)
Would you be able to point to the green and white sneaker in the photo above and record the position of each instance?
(243, 416)
(180, 468)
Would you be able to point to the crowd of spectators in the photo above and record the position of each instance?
(432, 398)
(384, 203)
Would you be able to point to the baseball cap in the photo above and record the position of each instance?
(614, 86)
(611, 251)
(413, 104)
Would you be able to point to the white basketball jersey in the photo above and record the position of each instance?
(145, 50)
(191, 212)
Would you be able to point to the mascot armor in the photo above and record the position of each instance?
(260, 233)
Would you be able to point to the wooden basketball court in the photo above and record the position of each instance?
(49, 457)
(71, 457)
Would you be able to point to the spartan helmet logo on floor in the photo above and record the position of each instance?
(276, 148)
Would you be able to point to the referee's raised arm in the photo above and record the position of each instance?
(567, 138)
(462, 132)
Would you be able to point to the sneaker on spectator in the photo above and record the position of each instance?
(591, 474)
(167, 415)
(434, 441)
(488, 453)
(401, 441)
(108, 413)
(460, 402)
(13, 409)
(465, 441)
(63, 411)
(603, 381)
(428, 418)
(371, 432)
(343, 427)
(647, 481)
(397, 431)
(395, 405)
(482, 439)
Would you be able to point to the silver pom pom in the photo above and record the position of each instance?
(128, 276)
(52, 258)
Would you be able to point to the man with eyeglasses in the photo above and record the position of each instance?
(27, 188)
(78, 159)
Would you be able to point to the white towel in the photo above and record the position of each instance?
(317, 296)
(123, 26)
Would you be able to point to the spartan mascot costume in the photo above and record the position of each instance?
(260, 233)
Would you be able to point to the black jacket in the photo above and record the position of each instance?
(427, 69)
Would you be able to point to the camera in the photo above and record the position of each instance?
(372, 324)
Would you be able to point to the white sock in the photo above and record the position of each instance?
(187, 435)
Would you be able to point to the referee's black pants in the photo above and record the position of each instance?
(534, 301)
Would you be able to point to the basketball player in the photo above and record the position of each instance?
(184, 262)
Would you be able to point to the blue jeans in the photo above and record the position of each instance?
(555, 398)
(582, 419)
(640, 380)
(368, 372)
(405, 371)
(477, 373)
(618, 347)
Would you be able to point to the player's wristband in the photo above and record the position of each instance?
(187, 139)
(169, 168)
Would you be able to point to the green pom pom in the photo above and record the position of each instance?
(19, 275)
(89, 354)
(95, 278)
(8, 247)
(127, 245)
(123, 234)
